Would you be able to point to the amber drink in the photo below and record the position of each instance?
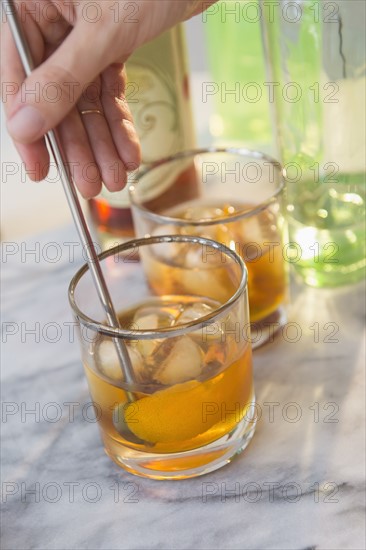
(238, 204)
(191, 405)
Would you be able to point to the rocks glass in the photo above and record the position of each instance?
(235, 199)
(183, 312)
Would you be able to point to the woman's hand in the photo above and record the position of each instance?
(79, 48)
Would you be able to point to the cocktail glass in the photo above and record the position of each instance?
(237, 202)
(191, 407)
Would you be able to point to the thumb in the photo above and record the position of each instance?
(52, 90)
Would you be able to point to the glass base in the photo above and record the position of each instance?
(265, 330)
(186, 464)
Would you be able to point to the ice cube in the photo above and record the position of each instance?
(183, 363)
(167, 251)
(109, 365)
(250, 230)
(215, 358)
(194, 311)
(211, 332)
(197, 311)
(150, 318)
(258, 229)
(202, 256)
(148, 321)
(206, 282)
(153, 318)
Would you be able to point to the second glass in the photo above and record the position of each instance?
(235, 199)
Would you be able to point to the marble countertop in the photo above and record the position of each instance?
(299, 485)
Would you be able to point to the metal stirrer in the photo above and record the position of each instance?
(73, 200)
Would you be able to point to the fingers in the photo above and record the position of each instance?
(35, 156)
(50, 20)
(58, 82)
(79, 155)
(110, 165)
(118, 116)
(36, 159)
(108, 123)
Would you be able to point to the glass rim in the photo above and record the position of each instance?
(184, 328)
(239, 151)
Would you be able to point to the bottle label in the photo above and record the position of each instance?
(153, 102)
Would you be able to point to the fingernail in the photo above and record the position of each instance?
(26, 124)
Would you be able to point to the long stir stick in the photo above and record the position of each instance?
(55, 148)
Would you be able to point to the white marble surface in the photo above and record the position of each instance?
(299, 485)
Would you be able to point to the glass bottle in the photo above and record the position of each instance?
(159, 97)
(316, 60)
(238, 87)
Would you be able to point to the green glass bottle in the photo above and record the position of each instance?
(241, 110)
